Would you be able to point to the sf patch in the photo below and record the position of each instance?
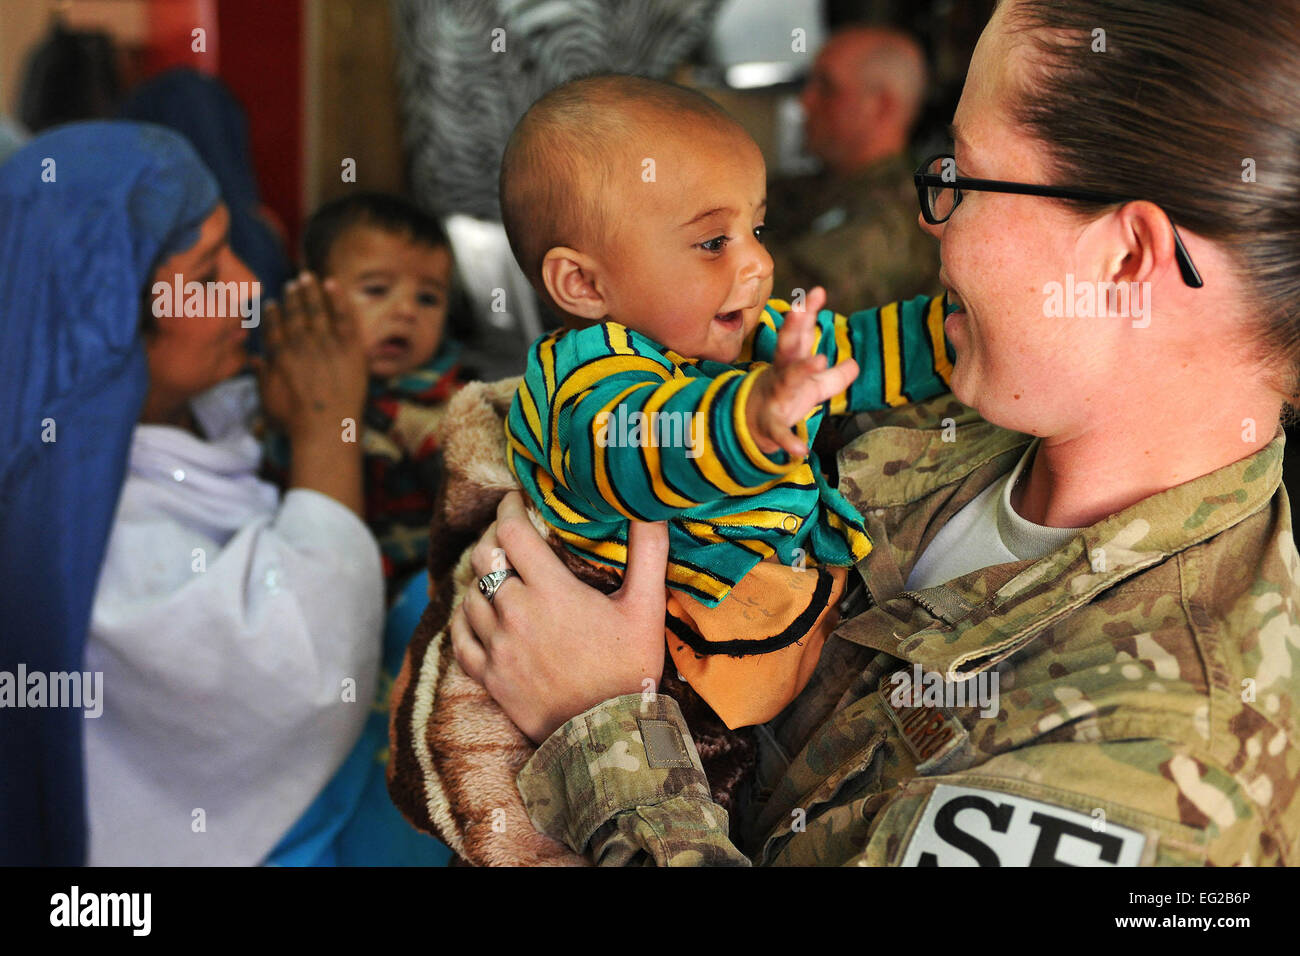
(969, 826)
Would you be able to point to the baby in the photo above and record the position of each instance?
(391, 268)
(676, 391)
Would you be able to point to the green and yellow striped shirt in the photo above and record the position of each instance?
(609, 426)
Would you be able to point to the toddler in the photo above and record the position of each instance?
(391, 266)
(677, 391)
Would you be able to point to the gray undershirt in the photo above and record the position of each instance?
(987, 531)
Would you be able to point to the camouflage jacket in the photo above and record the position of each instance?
(1147, 673)
(858, 237)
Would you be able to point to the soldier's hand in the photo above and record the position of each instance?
(548, 647)
(798, 380)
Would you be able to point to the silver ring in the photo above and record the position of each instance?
(489, 583)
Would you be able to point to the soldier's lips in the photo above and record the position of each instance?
(953, 321)
(955, 299)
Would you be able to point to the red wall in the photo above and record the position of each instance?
(256, 47)
(171, 25)
(261, 60)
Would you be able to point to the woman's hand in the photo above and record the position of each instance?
(548, 647)
(313, 384)
(314, 376)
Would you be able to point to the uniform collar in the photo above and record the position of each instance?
(987, 615)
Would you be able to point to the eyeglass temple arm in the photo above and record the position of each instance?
(1185, 266)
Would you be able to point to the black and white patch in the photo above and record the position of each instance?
(970, 826)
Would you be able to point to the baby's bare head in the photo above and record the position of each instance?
(572, 156)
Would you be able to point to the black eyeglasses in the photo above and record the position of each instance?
(939, 189)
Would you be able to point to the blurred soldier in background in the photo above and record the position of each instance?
(853, 227)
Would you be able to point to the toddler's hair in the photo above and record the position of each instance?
(572, 145)
(383, 211)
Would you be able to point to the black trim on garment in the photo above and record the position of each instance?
(795, 631)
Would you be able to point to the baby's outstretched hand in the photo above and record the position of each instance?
(796, 382)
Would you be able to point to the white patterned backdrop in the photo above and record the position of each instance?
(467, 70)
(461, 99)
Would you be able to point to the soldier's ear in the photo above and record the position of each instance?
(574, 282)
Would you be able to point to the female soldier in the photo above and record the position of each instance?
(1134, 597)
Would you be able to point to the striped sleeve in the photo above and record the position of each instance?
(900, 349)
(623, 432)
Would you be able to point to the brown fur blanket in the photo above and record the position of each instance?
(454, 754)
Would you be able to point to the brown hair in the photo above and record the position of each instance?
(1183, 95)
(565, 153)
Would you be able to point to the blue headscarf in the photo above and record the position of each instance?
(86, 212)
(203, 109)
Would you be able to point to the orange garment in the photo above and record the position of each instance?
(783, 613)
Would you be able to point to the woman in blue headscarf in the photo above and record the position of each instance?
(236, 632)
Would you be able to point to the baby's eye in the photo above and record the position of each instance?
(430, 299)
(716, 244)
(374, 289)
(760, 232)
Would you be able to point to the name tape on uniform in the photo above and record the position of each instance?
(970, 826)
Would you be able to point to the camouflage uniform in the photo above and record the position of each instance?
(858, 236)
(1148, 674)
